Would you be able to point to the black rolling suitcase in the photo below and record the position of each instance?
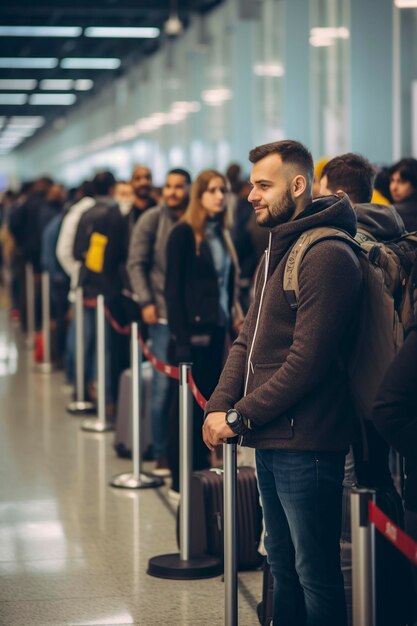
(206, 496)
(123, 434)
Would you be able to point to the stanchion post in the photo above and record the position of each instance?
(79, 406)
(182, 565)
(46, 365)
(30, 305)
(100, 424)
(137, 479)
(186, 455)
(230, 533)
(363, 559)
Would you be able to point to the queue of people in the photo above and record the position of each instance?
(276, 378)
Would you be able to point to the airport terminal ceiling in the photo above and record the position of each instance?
(40, 69)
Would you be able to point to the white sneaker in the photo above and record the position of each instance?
(174, 496)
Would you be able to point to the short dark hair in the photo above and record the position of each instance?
(290, 151)
(103, 182)
(351, 173)
(180, 172)
(407, 169)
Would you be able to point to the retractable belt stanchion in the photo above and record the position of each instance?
(185, 566)
(230, 536)
(30, 306)
(100, 424)
(137, 479)
(363, 559)
(80, 406)
(46, 365)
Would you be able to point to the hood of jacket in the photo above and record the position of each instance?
(332, 211)
(382, 221)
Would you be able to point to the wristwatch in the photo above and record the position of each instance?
(236, 422)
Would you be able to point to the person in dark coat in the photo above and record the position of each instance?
(201, 298)
(283, 391)
(395, 416)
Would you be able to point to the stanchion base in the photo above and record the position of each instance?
(96, 426)
(80, 407)
(173, 567)
(136, 481)
(45, 368)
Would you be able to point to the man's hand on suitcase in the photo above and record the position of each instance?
(215, 429)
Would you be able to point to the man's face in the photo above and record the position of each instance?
(324, 187)
(124, 192)
(175, 192)
(271, 195)
(141, 182)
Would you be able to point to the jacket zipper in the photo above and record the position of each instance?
(250, 364)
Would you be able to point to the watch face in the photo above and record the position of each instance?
(232, 417)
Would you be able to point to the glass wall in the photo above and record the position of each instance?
(336, 74)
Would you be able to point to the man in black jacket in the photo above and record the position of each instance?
(284, 392)
(354, 175)
(100, 246)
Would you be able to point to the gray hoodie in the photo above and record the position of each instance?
(381, 221)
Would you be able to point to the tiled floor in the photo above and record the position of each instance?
(72, 549)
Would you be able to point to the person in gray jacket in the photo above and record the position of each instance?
(146, 269)
(284, 390)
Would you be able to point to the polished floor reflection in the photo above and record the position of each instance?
(72, 549)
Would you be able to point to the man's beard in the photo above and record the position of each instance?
(143, 192)
(279, 212)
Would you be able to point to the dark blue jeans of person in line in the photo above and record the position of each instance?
(159, 336)
(301, 494)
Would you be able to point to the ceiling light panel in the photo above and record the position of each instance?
(27, 120)
(74, 63)
(13, 98)
(122, 32)
(17, 84)
(406, 4)
(57, 84)
(28, 62)
(64, 99)
(83, 84)
(40, 31)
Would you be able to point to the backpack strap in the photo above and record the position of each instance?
(297, 253)
(363, 236)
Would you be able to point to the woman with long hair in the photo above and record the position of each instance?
(201, 298)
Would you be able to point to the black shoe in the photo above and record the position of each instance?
(260, 612)
(147, 455)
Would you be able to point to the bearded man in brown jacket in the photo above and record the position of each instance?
(284, 390)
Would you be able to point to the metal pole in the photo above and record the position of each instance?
(79, 347)
(30, 306)
(139, 479)
(46, 365)
(186, 456)
(230, 533)
(184, 565)
(80, 406)
(100, 425)
(363, 559)
(137, 389)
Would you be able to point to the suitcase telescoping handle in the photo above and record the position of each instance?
(230, 532)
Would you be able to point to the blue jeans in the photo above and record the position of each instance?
(160, 336)
(301, 494)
